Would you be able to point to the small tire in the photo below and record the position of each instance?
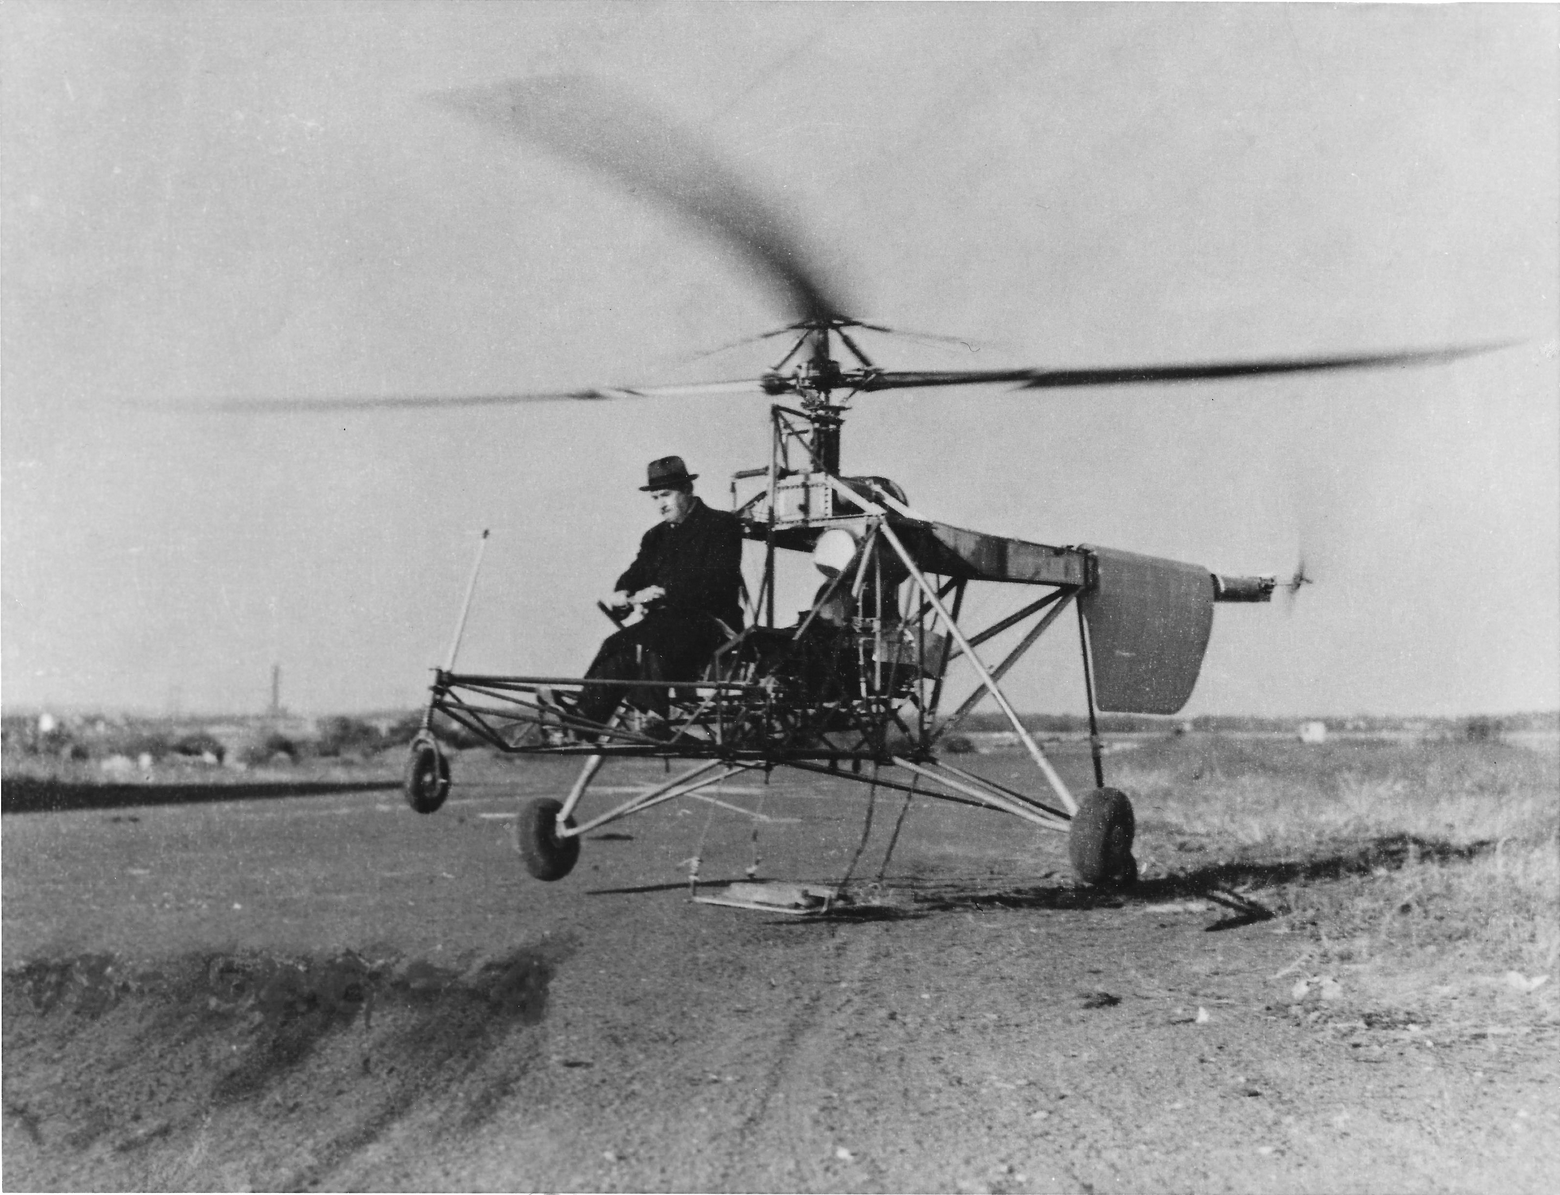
(427, 777)
(547, 856)
(1100, 843)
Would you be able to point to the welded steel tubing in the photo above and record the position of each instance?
(465, 606)
(524, 682)
(1053, 778)
(1001, 670)
(672, 789)
(994, 800)
(958, 586)
(1012, 620)
(1044, 764)
(1096, 747)
(769, 530)
(587, 774)
(820, 770)
(513, 714)
(1003, 789)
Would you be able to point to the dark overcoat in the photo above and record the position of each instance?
(697, 561)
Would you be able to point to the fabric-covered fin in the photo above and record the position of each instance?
(1149, 621)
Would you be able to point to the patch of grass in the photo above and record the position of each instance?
(1492, 913)
(1450, 851)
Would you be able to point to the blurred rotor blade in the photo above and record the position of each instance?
(1301, 576)
(683, 389)
(738, 344)
(913, 379)
(968, 343)
(1050, 379)
(368, 402)
(589, 122)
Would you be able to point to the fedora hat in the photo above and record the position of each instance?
(668, 473)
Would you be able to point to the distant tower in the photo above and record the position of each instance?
(276, 690)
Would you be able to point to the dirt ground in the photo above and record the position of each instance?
(329, 991)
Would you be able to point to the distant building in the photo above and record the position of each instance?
(1313, 732)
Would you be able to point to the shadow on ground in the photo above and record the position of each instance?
(1389, 852)
(915, 897)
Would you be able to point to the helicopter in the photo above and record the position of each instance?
(858, 686)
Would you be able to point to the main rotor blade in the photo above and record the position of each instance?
(1051, 379)
(369, 402)
(585, 120)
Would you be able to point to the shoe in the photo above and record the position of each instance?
(657, 728)
(558, 717)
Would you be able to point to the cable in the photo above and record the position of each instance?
(698, 851)
(866, 829)
(894, 837)
(752, 868)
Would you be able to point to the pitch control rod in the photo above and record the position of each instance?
(465, 607)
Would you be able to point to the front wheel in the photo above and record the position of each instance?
(546, 855)
(427, 777)
(1100, 842)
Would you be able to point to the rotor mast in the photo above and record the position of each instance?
(816, 377)
(827, 419)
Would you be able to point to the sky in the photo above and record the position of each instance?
(210, 202)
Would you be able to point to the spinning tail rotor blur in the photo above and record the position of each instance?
(1298, 579)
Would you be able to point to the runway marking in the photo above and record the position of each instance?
(754, 814)
(762, 817)
(294, 811)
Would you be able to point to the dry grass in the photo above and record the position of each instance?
(1438, 859)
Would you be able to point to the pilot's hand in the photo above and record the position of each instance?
(617, 600)
(651, 593)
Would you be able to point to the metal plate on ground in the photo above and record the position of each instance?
(799, 900)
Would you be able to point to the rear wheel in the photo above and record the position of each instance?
(1100, 843)
(546, 855)
(427, 777)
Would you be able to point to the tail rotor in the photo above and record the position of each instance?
(1301, 577)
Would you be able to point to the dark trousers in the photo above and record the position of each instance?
(663, 646)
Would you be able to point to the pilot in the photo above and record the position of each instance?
(687, 579)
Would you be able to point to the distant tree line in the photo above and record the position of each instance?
(1478, 726)
(344, 737)
(100, 738)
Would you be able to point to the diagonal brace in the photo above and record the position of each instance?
(987, 680)
(678, 786)
(1012, 658)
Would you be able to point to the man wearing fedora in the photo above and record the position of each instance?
(687, 579)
